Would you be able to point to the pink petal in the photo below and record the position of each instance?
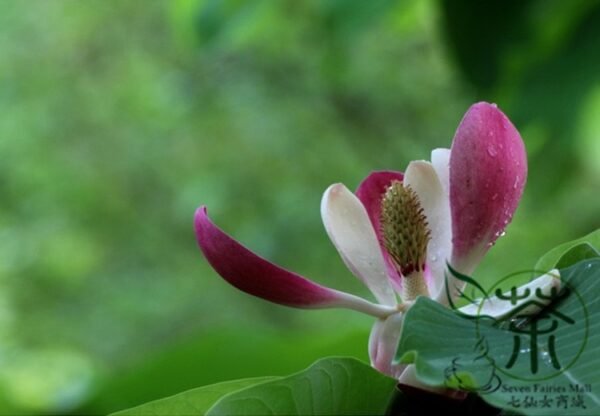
(488, 170)
(259, 277)
(370, 192)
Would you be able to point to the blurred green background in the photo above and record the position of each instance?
(118, 118)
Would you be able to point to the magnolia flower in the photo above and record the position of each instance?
(398, 232)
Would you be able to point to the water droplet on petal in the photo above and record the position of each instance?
(492, 150)
(494, 105)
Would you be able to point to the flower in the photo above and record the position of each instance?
(398, 231)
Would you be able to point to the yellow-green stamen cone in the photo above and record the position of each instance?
(405, 236)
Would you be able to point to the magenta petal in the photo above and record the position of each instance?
(370, 192)
(255, 275)
(488, 170)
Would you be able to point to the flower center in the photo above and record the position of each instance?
(405, 235)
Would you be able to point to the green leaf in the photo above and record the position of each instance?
(476, 354)
(570, 253)
(330, 386)
(580, 252)
(193, 402)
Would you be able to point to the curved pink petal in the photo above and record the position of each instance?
(488, 170)
(370, 192)
(254, 275)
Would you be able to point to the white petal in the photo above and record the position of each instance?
(374, 340)
(440, 159)
(346, 300)
(350, 230)
(383, 344)
(423, 179)
(501, 308)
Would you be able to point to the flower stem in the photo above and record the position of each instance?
(362, 305)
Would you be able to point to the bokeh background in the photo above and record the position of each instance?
(118, 118)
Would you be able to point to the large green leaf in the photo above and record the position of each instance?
(329, 386)
(341, 386)
(215, 355)
(476, 354)
(572, 252)
(193, 402)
